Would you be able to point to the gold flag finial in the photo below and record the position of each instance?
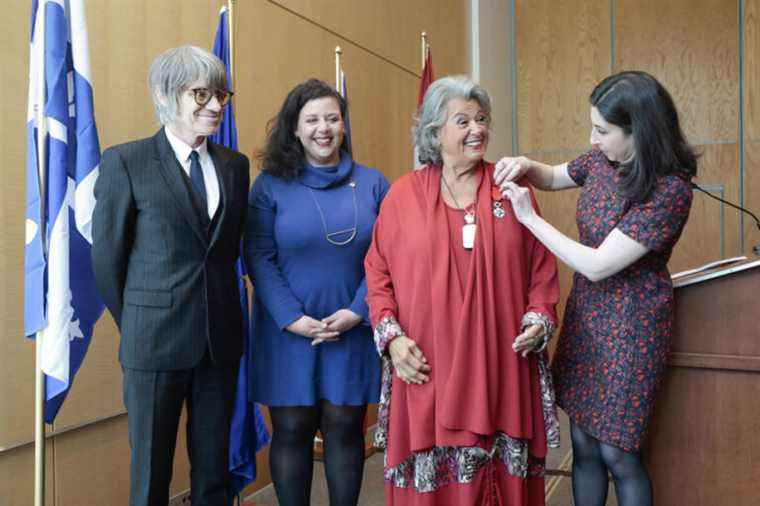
(424, 45)
(338, 52)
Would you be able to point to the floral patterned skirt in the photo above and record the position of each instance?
(491, 485)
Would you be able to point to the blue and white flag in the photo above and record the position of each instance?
(248, 432)
(61, 300)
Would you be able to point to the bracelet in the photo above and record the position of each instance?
(547, 325)
(386, 331)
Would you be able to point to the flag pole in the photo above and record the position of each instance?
(338, 52)
(39, 376)
(230, 9)
(424, 45)
(39, 425)
(342, 89)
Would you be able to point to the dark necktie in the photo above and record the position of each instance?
(196, 176)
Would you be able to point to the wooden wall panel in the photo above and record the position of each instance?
(691, 46)
(752, 120)
(92, 465)
(752, 69)
(701, 239)
(392, 28)
(494, 72)
(381, 114)
(16, 353)
(17, 477)
(16, 368)
(751, 194)
(563, 51)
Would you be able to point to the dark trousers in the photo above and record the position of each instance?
(154, 403)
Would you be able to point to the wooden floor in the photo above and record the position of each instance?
(558, 488)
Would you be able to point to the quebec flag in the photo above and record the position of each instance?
(60, 298)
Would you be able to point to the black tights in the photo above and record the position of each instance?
(291, 456)
(591, 461)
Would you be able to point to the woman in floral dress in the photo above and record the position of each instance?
(634, 202)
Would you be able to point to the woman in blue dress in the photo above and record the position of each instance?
(313, 360)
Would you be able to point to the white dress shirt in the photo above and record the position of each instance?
(182, 152)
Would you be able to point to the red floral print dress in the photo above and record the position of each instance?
(616, 335)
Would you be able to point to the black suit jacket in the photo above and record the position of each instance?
(166, 275)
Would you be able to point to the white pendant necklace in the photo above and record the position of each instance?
(469, 228)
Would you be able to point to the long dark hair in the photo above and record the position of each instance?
(283, 153)
(636, 102)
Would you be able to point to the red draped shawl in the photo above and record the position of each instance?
(464, 323)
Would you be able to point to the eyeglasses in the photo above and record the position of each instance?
(203, 96)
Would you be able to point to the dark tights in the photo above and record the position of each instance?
(591, 461)
(291, 456)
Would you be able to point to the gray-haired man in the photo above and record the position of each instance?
(166, 234)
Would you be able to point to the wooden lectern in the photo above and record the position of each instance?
(704, 442)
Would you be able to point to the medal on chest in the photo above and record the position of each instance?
(498, 210)
(497, 206)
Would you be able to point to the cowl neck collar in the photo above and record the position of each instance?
(326, 177)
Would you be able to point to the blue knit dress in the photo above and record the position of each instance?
(296, 271)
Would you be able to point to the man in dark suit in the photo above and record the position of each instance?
(166, 232)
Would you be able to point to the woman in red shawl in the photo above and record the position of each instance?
(461, 297)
